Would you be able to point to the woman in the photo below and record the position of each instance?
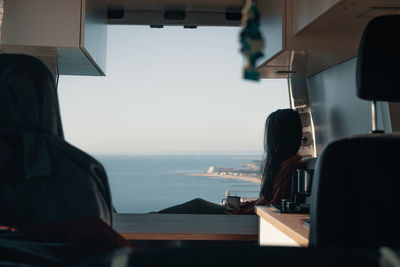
(282, 139)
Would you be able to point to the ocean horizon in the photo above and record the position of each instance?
(182, 153)
(142, 183)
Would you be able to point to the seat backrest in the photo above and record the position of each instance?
(355, 195)
(43, 178)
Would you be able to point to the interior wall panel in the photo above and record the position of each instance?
(336, 110)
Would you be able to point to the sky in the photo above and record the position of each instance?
(167, 91)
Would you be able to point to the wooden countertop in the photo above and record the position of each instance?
(186, 227)
(290, 224)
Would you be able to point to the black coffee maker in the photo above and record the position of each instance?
(300, 191)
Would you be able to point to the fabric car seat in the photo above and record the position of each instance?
(355, 192)
(43, 179)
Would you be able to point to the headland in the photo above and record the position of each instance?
(250, 173)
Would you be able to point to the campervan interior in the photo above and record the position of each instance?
(341, 76)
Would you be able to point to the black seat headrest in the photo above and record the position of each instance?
(378, 60)
(28, 94)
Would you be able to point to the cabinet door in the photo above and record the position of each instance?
(271, 236)
(272, 26)
(306, 11)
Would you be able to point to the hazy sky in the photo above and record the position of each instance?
(169, 90)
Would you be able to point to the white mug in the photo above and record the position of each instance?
(232, 200)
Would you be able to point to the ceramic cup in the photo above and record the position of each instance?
(232, 201)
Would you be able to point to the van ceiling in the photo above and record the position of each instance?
(174, 12)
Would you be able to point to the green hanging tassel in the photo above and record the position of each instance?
(251, 40)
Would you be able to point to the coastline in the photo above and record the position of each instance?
(227, 176)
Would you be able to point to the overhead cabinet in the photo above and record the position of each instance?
(304, 37)
(73, 31)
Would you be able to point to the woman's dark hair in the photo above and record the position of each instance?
(282, 139)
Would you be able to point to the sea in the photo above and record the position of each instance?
(148, 183)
